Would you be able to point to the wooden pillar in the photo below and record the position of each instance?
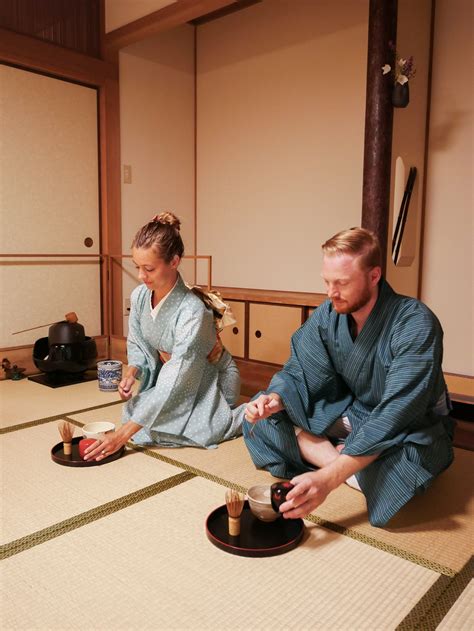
(111, 226)
(378, 121)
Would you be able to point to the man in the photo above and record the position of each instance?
(362, 398)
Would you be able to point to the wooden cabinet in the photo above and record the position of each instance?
(266, 320)
(270, 331)
(233, 337)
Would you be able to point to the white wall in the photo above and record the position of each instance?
(157, 135)
(280, 132)
(448, 264)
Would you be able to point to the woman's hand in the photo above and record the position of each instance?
(126, 385)
(263, 406)
(112, 442)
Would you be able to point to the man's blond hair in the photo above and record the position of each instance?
(357, 242)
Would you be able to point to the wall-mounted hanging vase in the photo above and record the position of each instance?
(400, 95)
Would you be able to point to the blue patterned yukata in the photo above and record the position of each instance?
(186, 401)
(388, 386)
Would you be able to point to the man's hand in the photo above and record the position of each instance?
(310, 491)
(263, 407)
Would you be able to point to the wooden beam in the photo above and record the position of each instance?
(378, 121)
(38, 55)
(166, 18)
(111, 231)
(216, 15)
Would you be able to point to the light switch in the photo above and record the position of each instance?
(127, 173)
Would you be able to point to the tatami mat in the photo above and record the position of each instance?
(436, 528)
(230, 461)
(112, 413)
(461, 616)
(150, 566)
(37, 492)
(23, 401)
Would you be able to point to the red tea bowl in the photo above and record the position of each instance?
(84, 444)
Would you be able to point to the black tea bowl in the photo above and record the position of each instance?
(278, 492)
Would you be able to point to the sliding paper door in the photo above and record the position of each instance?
(49, 204)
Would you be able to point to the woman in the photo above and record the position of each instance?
(188, 382)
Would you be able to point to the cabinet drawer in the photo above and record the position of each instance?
(233, 337)
(270, 330)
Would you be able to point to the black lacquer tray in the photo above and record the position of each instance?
(75, 460)
(257, 538)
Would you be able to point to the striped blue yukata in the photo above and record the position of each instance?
(387, 383)
(187, 401)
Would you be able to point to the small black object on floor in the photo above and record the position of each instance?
(60, 379)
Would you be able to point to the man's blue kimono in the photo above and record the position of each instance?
(389, 384)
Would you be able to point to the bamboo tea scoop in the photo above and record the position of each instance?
(69, 317)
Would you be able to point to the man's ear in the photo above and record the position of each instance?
(375, 275)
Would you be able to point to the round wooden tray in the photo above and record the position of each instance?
(257, 538)
(75, 460)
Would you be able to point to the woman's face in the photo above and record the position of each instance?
(153, 271)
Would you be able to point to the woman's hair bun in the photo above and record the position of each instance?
(168, 218)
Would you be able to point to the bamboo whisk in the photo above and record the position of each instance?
(67, 432)
(235, 504)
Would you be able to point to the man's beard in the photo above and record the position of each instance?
(347, 307)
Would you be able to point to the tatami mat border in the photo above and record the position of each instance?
(430, 610)
(56, 417)
(61, 528)
(348, 532)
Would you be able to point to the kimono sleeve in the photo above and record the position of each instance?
(179, 379)
(136, 355)
(413, 384)
(308, 383)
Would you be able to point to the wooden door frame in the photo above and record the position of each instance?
(35, 55)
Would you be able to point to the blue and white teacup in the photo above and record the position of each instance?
(109, 374)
